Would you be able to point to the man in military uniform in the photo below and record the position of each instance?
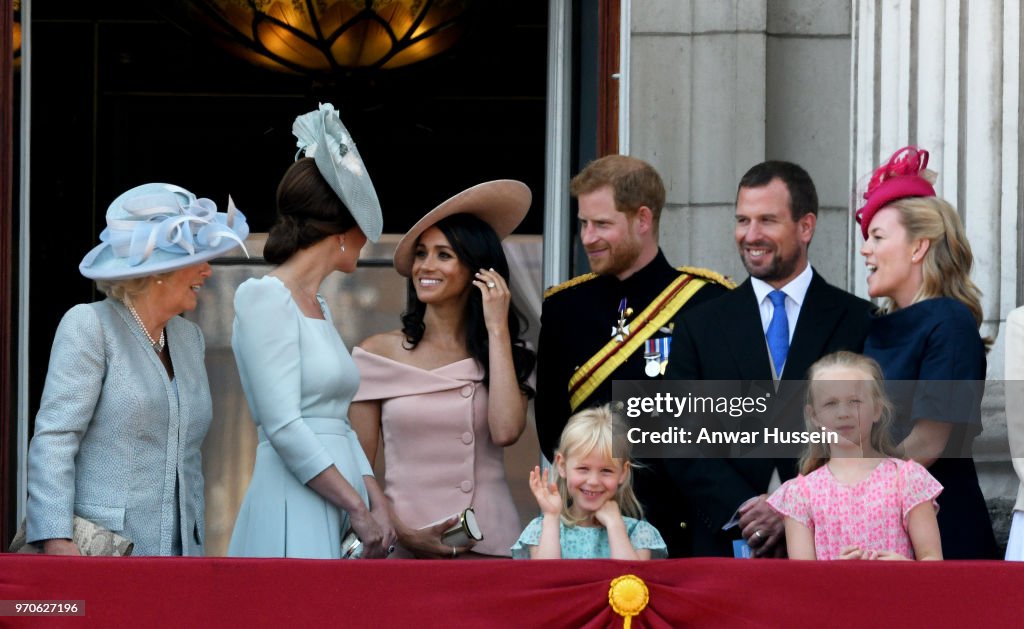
(616, 322)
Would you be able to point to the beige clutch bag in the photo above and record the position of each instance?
(92, 540)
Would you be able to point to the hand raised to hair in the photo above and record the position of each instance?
(546, 493)
(497, 297)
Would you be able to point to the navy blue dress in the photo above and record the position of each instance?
(934, 364)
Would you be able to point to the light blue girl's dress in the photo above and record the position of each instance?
(299, 379)
(591, 542)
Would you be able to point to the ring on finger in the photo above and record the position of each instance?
(758, 534)
(491, 284)
(453, 552)
(391, 549)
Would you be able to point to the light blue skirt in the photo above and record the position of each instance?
(1015, 545)
(282, 518)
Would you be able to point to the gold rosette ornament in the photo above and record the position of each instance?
(628, 597)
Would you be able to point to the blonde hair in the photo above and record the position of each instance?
(947, 263)
(130, 288)
(600, 430)
(881, 441)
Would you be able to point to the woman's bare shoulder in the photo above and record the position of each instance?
(386, 344)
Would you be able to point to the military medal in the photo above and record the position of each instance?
(656, 356)
(621, 329)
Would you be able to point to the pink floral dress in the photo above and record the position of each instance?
(871, 513)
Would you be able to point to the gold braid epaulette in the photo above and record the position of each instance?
(707, 274)
(579, 279)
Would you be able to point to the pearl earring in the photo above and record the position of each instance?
(343, 247)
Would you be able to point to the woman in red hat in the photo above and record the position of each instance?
(926, 338)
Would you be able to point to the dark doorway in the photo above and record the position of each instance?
(126, 92)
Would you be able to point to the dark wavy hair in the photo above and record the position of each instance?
(477, 247)
(307, 212)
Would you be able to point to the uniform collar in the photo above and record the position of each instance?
(655, 270)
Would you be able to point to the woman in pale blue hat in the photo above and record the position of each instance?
(126, 403)
(311, 482)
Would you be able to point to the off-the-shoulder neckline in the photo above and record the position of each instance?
(398, 362)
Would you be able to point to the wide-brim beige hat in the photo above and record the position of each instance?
(502, 204)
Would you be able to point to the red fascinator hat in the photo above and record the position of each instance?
(897, 179)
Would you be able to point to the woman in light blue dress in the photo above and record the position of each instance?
(311, 482)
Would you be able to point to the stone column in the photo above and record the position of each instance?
(808, 113)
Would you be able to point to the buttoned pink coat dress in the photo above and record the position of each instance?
(439, 457)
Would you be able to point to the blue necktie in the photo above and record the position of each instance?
(778, 331)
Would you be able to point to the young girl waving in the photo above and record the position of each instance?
(592, 513)
(855, 499)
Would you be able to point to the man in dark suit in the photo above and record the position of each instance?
(770, 329)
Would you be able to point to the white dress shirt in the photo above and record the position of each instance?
(795, 292)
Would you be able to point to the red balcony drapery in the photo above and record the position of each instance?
(156, 592)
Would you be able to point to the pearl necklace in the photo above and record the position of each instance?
(158, 346)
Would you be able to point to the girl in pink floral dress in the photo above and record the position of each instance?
(854, 499)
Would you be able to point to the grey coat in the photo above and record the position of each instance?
(113, 432)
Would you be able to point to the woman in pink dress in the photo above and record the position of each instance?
(854, 499)
(449, 390)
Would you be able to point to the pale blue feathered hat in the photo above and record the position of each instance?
(322, 136)
(160, 227)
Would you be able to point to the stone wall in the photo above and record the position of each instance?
(716, 87)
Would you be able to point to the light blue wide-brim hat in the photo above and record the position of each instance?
(502, 204)
(159, 227)
(321, 135)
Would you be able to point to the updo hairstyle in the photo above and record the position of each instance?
(307, 212)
